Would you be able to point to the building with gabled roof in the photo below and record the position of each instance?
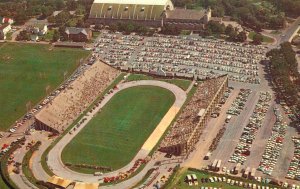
(78, 34)
(155, 13)
(4, 29)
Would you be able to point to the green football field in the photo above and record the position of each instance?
(26, 70)
(114, 136)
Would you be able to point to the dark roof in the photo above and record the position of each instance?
(73, 30)
(185, 14)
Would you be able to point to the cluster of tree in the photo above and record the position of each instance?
(265, 14)
(23, 36)
(233, 34)
(64, 18)
(130, 27)
(258, 38)
(170, 30)
(21, 11)
(289, 7)
(284, 72)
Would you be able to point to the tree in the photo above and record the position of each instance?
(21, 18)
(23, 36)
(216, 27)
(241, 37)
(71, 5)
(80, 10)
(229, 30)
(257, 39)
(218, 11)
(56, 36)
(59, 4)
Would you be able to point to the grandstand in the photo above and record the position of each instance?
(185, 132)
(72, 101)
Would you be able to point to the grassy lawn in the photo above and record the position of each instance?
(182, 83)
(276, 32)
(2, 184)
(9, 35)
(114, 136)
(95, 34)
(49, 35)
(266, 39)
(25, 71)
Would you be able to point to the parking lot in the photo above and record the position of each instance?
(265, 136)
(181, 56)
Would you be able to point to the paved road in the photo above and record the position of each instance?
(290, 31)
(54, 157)
(209, 133)
(19, 179)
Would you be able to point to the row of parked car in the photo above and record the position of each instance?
(239, 103)
(274, 145)
(187, 56)
(6, 147)
(217, 109)
(242, 149)
(233, 182)
(294, 168)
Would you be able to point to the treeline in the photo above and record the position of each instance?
(289, 7)
(284, 73)
(21, 11)
(130, 27)
(212, 29)
(265, 14)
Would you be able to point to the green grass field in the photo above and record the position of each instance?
(26, 70)
(266, 39)
(2, 184)
(49, 35)
(182, 83)
(114, 136)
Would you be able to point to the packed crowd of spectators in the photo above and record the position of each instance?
(189, 118)
(77, 96)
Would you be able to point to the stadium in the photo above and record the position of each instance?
(157, 13)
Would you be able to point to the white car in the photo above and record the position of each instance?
(12, 130)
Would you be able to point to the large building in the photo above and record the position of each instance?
(150, 12)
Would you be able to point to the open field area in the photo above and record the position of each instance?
(182, 83)
(266, 39)
(113, 137)
(26, 70)
(2, 184)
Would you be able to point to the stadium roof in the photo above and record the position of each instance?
(137, 2)
(185, 14)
